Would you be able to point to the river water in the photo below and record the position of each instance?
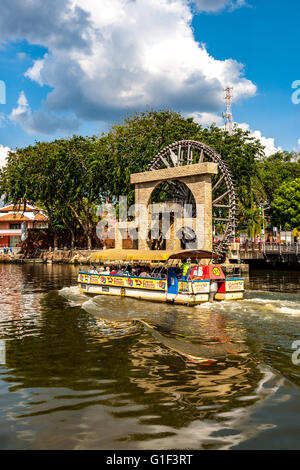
(73, 377)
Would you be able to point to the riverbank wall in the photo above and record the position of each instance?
(80, 258)
(75, 257)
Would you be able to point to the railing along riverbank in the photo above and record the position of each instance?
(274, 253)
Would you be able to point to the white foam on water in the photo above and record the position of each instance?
(290, 311)
(73, 295)
(205, 305)
(288, 307)
(258, 305)
(91, 306)
(261, 304)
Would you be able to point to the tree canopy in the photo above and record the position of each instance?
(131, 146)
(70, 177)
(286, 205)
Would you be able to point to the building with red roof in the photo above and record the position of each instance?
(14, 219)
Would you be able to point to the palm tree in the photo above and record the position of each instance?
(255, 221)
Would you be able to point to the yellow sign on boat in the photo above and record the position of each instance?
(235, 285)
(121, 281)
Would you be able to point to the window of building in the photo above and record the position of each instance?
(41, 225)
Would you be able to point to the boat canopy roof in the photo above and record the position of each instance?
(193, 254)
(140, 255)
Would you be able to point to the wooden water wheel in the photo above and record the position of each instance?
(188, 152)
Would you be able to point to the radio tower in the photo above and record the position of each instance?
(228, 114)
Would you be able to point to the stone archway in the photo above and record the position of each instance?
(213, 188)
(198, 178)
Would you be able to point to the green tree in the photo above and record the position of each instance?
(241, 153)
(253, 218)
(70, 177)
(273, 171)
(26, 179)
(80, 180)
(130, 146)
(64, 176)
(286, 205)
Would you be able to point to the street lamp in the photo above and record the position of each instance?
(264, 205)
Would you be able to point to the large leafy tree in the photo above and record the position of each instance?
(63, 176)
(29, 177)
(241, 153)
(286, 205)
(129, 148)
(275, 170)
(69, 177)
(81, 180)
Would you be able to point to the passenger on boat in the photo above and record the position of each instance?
(106, 271)
(113, 272)
(145, 273)
(185, 267)
(93, 270)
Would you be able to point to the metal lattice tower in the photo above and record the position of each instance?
(228, 113)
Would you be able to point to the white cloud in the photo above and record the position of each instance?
(212, 6)
(41, 122)
(22, 109)
(267, 142)
(108, 57)
(297, 148)
(207, 119)
(34, 73)
(3, 155)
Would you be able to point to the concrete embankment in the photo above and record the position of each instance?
(58, 256)
(78, 257)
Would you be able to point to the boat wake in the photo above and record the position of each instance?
(209, 332)
(260, 303)
(73, 295)
(197, 343)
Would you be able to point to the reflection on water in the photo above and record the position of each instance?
(274, 280)
(110, 373)
(197, 338)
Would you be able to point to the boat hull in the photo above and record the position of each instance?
(156, 290)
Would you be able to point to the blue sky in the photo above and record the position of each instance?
(266, 39)
(77, 66)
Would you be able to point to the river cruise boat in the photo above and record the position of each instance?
(181, 279)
